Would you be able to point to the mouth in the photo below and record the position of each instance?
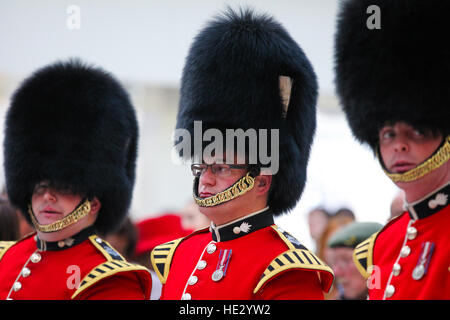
(402, 166)
(49, 211)
(205, 194)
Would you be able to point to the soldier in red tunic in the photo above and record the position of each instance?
(244, 72)
(394, 86)
(70, 153)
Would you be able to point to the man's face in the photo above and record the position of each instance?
(212, 183)
(403, 147)
(352, 282)
(50, 205)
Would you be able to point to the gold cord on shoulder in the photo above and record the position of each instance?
(80, 212)
(438, 159)
(243, 185)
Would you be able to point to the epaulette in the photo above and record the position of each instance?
(296, 257)
(363, 256)
(4, 246)
(115, 264)
(161, 256)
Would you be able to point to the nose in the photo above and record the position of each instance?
(400, 144)
(49, 195)
(207, 177)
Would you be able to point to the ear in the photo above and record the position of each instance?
(262, 183)
(95, 206)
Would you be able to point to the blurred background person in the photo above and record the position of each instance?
(336, 221)
(397, 205)
(350, 284)
(345, 214)
(317, 222)
(124, 239)
(9, 221)
(192, 218)
(24, 227)
(152, 232)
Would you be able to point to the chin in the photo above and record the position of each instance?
(406, 185)
(211, 211)
(221, 209)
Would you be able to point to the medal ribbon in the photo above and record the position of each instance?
(224, 260)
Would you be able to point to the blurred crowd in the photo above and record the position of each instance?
(334, 235)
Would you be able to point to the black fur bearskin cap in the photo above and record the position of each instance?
(74, 126)
(231, 80)
(399, 72)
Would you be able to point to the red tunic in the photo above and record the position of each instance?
(263, 262)
(87, 270)
(411, 254)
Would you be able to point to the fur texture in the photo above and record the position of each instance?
(74, 126)
(397, 73)
(231, 80)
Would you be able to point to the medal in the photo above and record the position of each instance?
(217, 275)
(418, 272)
(222, 265)
(424, 260)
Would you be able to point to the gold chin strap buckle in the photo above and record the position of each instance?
(440, 157)
(80, 212)
(240, 187)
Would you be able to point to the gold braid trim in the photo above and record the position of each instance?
(80, 212)
(434, 162)
(243, 185)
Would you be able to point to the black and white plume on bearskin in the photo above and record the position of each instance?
(231, 80)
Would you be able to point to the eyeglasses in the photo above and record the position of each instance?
(219, 170)
(43, 187)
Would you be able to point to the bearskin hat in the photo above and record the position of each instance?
(231, 80)
(74, 126)
(396, 71)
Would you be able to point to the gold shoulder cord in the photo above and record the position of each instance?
(243, 185)
(438, 159)
(80, 212)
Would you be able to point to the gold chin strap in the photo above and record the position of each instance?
(440, 157)
(241, 186)
(80, 212)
